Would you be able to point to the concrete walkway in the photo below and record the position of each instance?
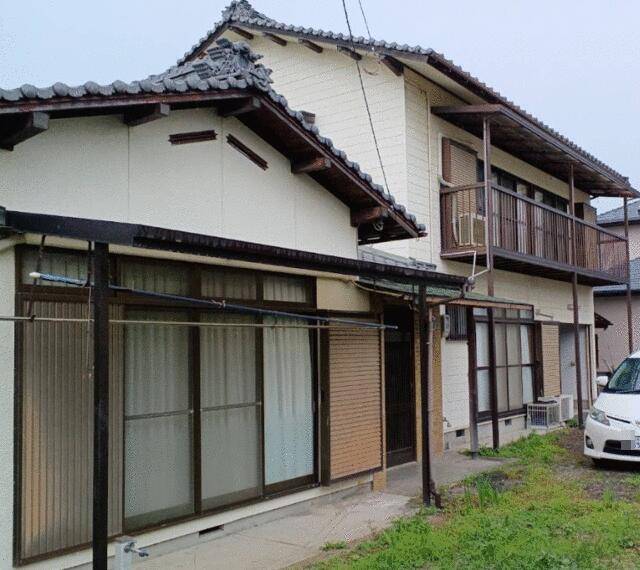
(296, 534)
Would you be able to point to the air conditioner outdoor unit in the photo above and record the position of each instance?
(565, 401)
(543, 414)
(470, 229)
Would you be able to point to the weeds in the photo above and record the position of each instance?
(543, 522)
(328, 546)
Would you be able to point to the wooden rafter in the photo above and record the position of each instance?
(393, 64)
(146, 114)
(243, 33)
(275, 39)
(239, 107)
(17, 129)
(316, 164)
(367, 215)
(311, 45)
(350, 53)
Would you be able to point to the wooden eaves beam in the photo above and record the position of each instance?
(22, 127)
(242, 33)
(368, 215)
(275, 39)
(239, 107)
(393, 64)
(312, 165)
(349, 53)
(146, 114)
(311, 45)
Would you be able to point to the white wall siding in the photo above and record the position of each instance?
(327, 84)
(455, 383)
(99, 168)
(7, 307)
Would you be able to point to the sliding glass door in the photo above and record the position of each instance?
(288, 394)
(231, 412)
(158, 420)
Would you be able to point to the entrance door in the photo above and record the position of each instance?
(568, 362)
(399, 387)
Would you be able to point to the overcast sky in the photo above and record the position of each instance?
(575, 64)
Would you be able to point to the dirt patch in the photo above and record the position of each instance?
(617, 479)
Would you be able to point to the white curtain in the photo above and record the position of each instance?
(288, 393)
(158, 416)
(228, 284)
(231, 455)
(291, 289)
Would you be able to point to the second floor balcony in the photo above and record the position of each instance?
(528, 237)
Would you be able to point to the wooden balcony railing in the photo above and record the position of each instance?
(529, 229)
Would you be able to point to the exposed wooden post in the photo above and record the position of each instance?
(425, 349)
(574, 287)
(488, 192)
(100, 406)
(629, 306)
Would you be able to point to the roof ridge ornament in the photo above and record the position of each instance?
(240, 9)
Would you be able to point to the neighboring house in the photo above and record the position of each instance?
(204, 185)
(429, 117)
(611, 302)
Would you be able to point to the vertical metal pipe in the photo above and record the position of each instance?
(101, 406)
(629, 308)
(425, 349)
(473, 384)
(488, 191)
(574, 289)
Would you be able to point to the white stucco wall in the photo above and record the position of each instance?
(7, 307)
(613, 343)
(97, 167)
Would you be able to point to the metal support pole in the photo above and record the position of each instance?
(488, 190)
(629, 306)
(101, 406)
(425, 349)
(473, 385)
(574, 289)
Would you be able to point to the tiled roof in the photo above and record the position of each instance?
(368, 253)
(616, 216)
(242, 12)
(226, 66)
(634, 273)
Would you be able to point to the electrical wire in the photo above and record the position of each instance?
(364, 17)
(364, 95)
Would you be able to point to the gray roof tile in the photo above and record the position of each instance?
(634, 273)
(616, 216)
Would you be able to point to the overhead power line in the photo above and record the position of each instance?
(364, 92)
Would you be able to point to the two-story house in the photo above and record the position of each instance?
(506, 198)
(185, 338)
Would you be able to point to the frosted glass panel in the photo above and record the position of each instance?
(227, 362)
(158, 474)
(501, 345)
(482, 344)
(525, 341)
(513, 344)
(228, 284)
(503, 392)
(288, 413)
(231, 458)
(515, 388)
(158, 432)
(157, 277)
(72, 265)
(527, 385)
(156, 364)
(484, 394)
(291, 289)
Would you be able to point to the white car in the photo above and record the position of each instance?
(612, 430)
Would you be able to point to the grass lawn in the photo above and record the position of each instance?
(548, 509)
